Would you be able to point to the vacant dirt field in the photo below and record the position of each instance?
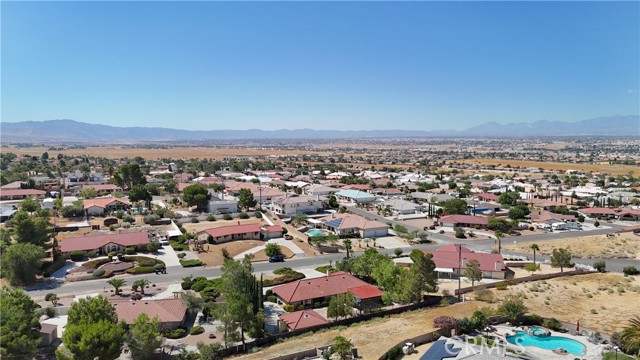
(624, 245)
(603, 302)
(372, 338)
(610, 169)
(213, 257)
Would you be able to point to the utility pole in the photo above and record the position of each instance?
(459, 270)
(260, 188)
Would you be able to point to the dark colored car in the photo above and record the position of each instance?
(276, 258)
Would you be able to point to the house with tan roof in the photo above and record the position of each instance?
(171, 313)
(104, 244)
(451, 261)
(101, 206)
(297, 204)
(224, 234)
(20, 194)
(350, 224)
(456, 221)
(319, 189)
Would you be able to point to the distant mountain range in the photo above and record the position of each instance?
(70, 131)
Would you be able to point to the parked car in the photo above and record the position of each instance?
(276, 258)
(288, 237)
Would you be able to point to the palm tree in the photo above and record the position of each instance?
(141, 284)
(630, 336)
(499, 237)
(347, 246)
(535, 248)
(117, 284)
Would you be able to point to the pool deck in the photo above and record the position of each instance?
(592, 352)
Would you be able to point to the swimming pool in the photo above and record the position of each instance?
(314, 232)
(548, 343)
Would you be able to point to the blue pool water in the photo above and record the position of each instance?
(548, 343)
(314, 232)
(537, 331)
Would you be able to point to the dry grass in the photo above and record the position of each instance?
(624, 245)
(606, 168)
(372, 338)
(594, 299)
(213, 257)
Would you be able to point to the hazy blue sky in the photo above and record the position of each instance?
(331, 65)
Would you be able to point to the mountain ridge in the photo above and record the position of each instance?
(65, 130)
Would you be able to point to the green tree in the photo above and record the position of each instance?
(196, 195)
(245, 199)
(144, 337)
(512, 308)
(140, 284)
(171, 186)
(455, 206)
(88, 193)
(19, 327)
(240, 289)
(561, 258)
(499, 237)
(473, 272)
(509, 198)
(100, 340)
(91, 309)
(531, 267)
(535, 248)
(479, 318)
(129, 175)
(30, 205)
(516, 213)
(497, 224)
(27, 229)
(53, 298)
(21, 262)
(347, 246)
(341, 346)
(332, 202)
(421, 277)
(139, 192)
(117, 284)
(364, 264)
(601, 266)
(209, 351)
(273, 249)
(630, 336)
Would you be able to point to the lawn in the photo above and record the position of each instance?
(612, 356)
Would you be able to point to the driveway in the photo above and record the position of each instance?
(168, 255)
(391, 242)
(271, 313)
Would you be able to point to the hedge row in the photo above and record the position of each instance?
(141, 270)
(191, 263)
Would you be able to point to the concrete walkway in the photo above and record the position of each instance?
(280, 241)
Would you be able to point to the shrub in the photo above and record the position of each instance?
(502, 285)
(272, 298)
(181, 255)
(92, 254)
(196, 330)
(186, 283)
(98, 272)
(195, 220)
(129, 219)
(286, 275)
(289, 308)
(393, 353)
(398, 252)
(243, 215)
(601, 266)
(445, 322)
(76, 255)
(151, 219)
(227, 216)
(324, 268)
(596, 223)
(460, 234)
(191, 263)
(441, 232)
(593, 311)
(533, 319)
(51, 267)
(50, 312)
(258, 215)
(484, 295)
(177, 333)
(465, 325)
(211, 217)
(552, 324)
(179, 247)
(130, 251)
(141, 270)
(630, 270)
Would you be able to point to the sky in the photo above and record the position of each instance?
(319, 65)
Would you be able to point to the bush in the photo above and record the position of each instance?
(484, 295)
(286, 275)
(196, 330)
(179, 247)
(533, 319)
(601, 266)
(227, 216)
(243, 215)
(596, 223)
(50, 312)
(324, 268)
(258, 215)
(460, 234)
(76, 255)
(151, 219)
(393, 353)
(272, 298)
(552, 324)
(130, 251)
(177, 333)
(502, 285)
(195, 220)
(630, 270)
(141, 270)
(211, 217)
(186, 283)
(98, 272)
(289, 308)
(129, 219)
(445, 322)
(191, 263)
(465, 325)
(441, 232)
(92, 254)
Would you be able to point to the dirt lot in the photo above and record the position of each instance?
(213, 257)
(624, 245)
(372, 338)
(609, 169)
(603, 302)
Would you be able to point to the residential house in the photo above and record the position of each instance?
(451, 261)
(355, 196)
(547, 217)
(232, 232)
(456, 221)
(219, 205)
(350, 224)
(389, 192)
(321, 289)
(7, 212)
(104, 244)
(402, 207)
(488, 197)
(261, 193)
(294, 205)
(103, 188)
(101, 206)
(300, 320)
(171, 313)
(360, 187)
(20, 194)
(318, 189)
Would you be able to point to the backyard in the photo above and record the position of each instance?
(620, 246)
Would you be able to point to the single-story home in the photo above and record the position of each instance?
(101, 206)
(609, 213)
(218, 205)
(19, 194)
(300, 320)
(346, 224)
(455, 221)
(232, 232)
(319, 189)
(547, 217)
(103, 188)
(488, 197)
(402, 207)
(171, 313)
(355, 196)
(448, 259)
(310, 291)
(105, 244)
(7, 212)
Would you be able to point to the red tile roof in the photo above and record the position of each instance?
(325, 286)
(363, 187)
(273, 228)
(302, 319)
(447, 257)
(167, 310)
(464, 219)
(102, 187)
(232, 230)
(98, 241)
(607, 211)
(488, 196)
(103, 202)
(21, 192)
(366, 292)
